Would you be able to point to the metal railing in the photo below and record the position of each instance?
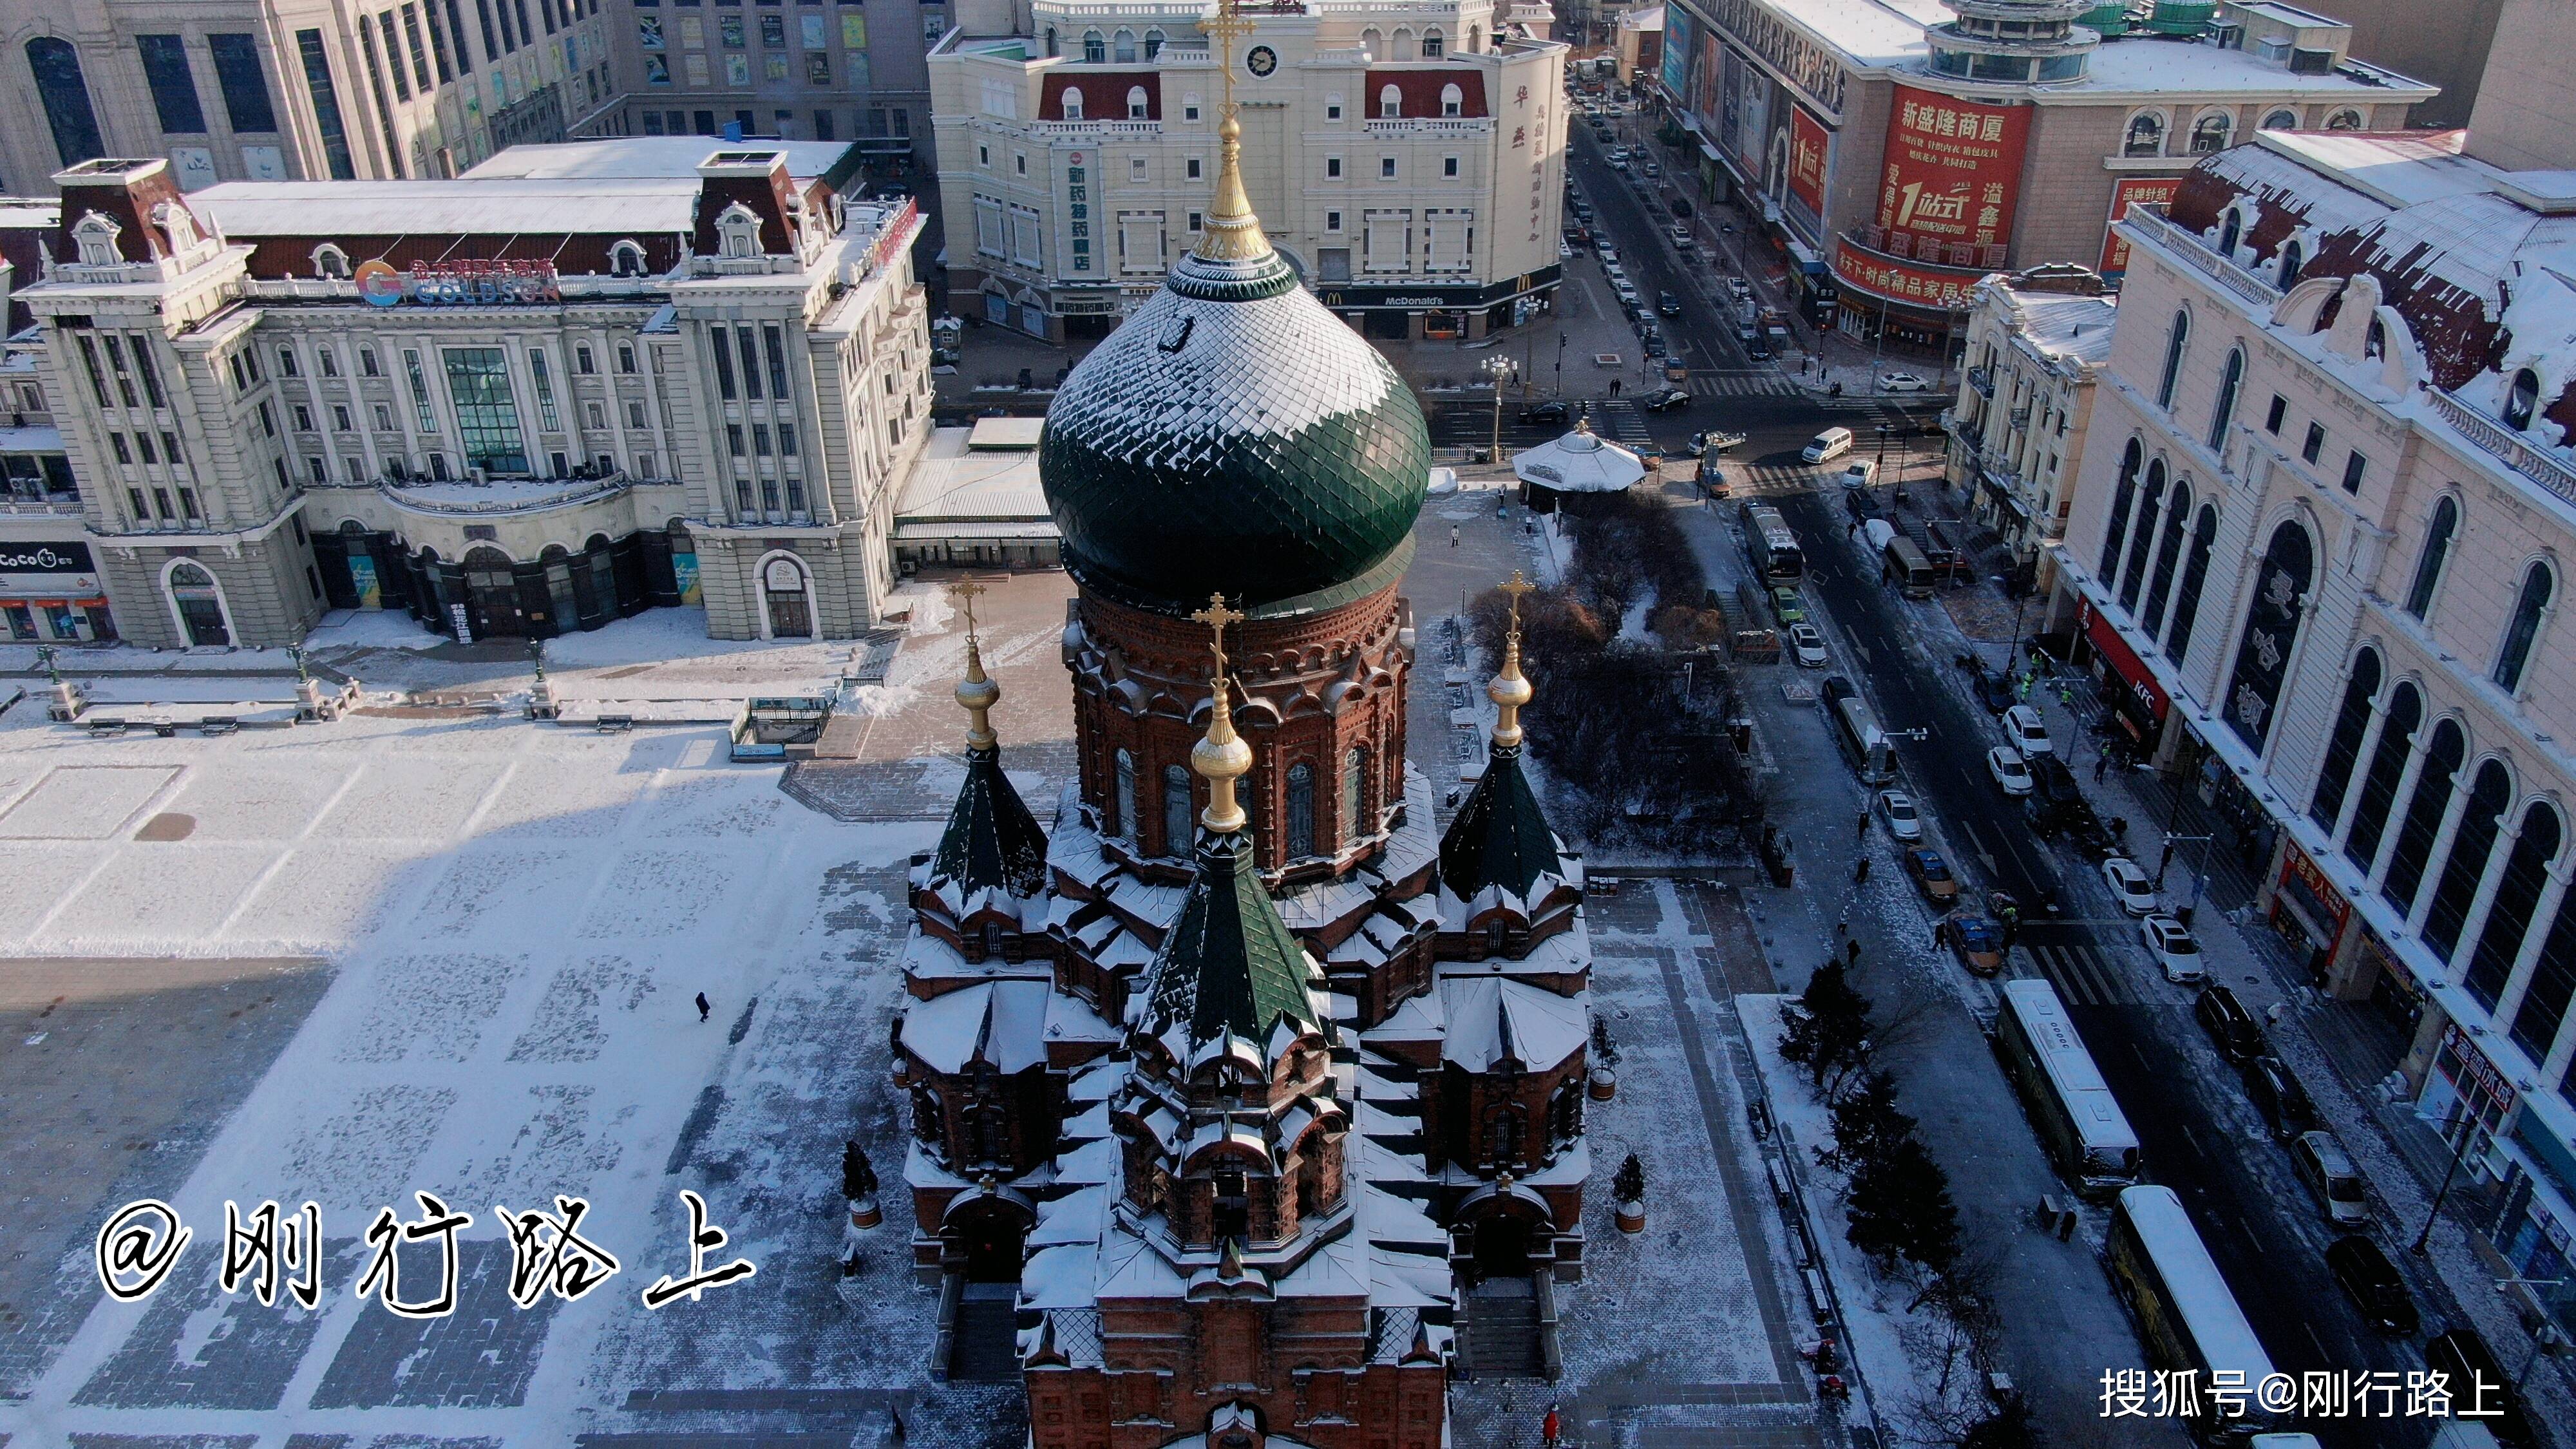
(1983, 380)
(40, 507)
(1432, 126)
(508, 495)
(2151, 220)
(2500, 443)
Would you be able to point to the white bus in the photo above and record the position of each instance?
(2078, 1119)
(1863, 742)
(2189, 1320)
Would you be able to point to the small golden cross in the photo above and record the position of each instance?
(1216, 616)
(964, 592)
(1516, 586)
(1227, 27)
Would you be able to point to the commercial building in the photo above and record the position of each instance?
(2322, 538)
(1410, 158)
(847, 72)
(1639, 44)
(607, 376)
(1897, 152)
(281, 90)
(2036, 340)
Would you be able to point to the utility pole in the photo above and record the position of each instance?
(2421, 1247)
(1560, 364)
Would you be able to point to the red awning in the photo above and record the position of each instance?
(2115, 652)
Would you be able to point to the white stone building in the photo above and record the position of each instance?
(584, 381)
(2323, 533)
(2035, 342)
(1408, 159)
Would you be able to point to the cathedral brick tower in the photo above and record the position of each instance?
(1237, 1092)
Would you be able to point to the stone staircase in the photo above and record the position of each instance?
(985, 1349)
(1504, 1338)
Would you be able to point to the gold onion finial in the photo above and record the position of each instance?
(1222, 758)
(1230, 232)
(1510, 689)
(977, 691)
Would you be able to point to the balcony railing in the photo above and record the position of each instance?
(1983, 380)
(40, 507)
(502, 495)
(1432, 126)
(2150, 220)
(2503, 445)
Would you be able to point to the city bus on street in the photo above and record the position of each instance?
(1770, 545)
(2080, 1123)
(2187, 1317)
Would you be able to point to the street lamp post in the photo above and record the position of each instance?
(2422, 1246)
(1498, 367)
(1561, 339)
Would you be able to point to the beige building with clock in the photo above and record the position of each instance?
(1407, 159)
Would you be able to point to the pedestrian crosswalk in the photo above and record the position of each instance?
(1767, 478)
(2083, 975)
(1619, 421)
(1742, 382)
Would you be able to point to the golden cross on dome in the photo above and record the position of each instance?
(964, 592)
(1226, 27)
(1216, 616)
(1516, 586)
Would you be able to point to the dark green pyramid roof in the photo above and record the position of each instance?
(1229, 962)
(1499, 838)
(992, 841)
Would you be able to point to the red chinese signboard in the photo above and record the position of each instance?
(1921, 285)
(1953, 170)
(2133, 675)
(1807, 141)
(2127, 192)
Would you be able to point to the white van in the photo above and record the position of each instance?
(1828, 445)
(1859, 473)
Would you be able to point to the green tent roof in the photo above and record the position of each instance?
(1229, 962)
(992, 841)
(1499, 837)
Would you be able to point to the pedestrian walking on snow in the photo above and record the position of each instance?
(703, 1006)
(1852, 948)
(1860, 827)
(2101, 764)
(1614, 387)
(1453, 535)
(1860, 872)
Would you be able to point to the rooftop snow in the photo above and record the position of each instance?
(646, 156)
(2067, 326)
(959, 480)
(626, 205)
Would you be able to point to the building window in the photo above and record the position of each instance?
(2343, 746)
(487, 417)
(174, 90)
(1072, 100)
(1390, 103)
(2195, 574)
(2123, 493)
(2481, 821)
(2224, 411)
(1453, 101)
(2435, 553)
(1136, 106)
(2177, 338)
(2281, 121)
(1332, 221)
(1095, 47)
(2146, 135)
(1332, 168)
(2510, 919)
(244, 84)
(2354, 465)
(2168, 556)
(2273, 618)
(326, 105)
(1386, 168)
(2209, 134)
(1432, 44)
(2272, 416)
(2133, 575)
(2290, 260)
(2530, 612)
(2346, 120)
(2522, 399)
(65, 96)
(1176, 810)
(2423, 817)
(1125, 46)
(544, 380)
(1299, 814)
(1449, 166)
(1123, 798)
(2379, 783)
(1354, 804)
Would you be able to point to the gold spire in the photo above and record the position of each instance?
(1222, 758)
(977, 692)
(1510, 689)
(1229, 232)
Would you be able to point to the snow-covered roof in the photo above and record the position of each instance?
(1580, 462)
(626, 205)
(1002, 1022)
(2059, 325)
(1491, 1020)
(959, 479)
(641, 156)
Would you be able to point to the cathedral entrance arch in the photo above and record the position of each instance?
(1503, 1233)
(981, 1239)
(787, 597)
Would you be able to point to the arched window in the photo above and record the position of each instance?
(1373, 40)
(2142, 536)
(1355, 823)
(1390, 102)
(1153, 43)
(1433, 44)
(2530, 611)
(2522, 399)
(2374, 338)
(1122, 823)
(2481, 822)
(1136, 103)
(2379, 783)
(2223, 412)
(626, 259)
(2168, 555)
(1475, 39)
(1072, 103)
(2146, 136)
(2345, 120)
(2231, 230)
(1176, 810)
(2435, 553)
(1452, 100)
(2209, 134)
(2281, 121)
(2535, 1025)
(1051, 42)
(1404, 42)
(1125, 44)
(2123, 493)
(2195, 574)
(2272, 620)
(2177, 338)
(330, 261)
(66, 99)
(1300, 811)
(1095, 47)
(2423, 818)
(199, 604)
(2292, 257)
(2352, 721)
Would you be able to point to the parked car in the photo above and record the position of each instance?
(1681, 209)
(1609, 255)
(2373, 1284)
(2171, 943)
(2328, 1171)
(1738, 288)
(1990, 687)
(1931, 875)
(1667, 305)
(1807, 644)
(1978, 942)
(1902, 382)
(1714, 441)
(1653, 168)
(2279, 1097)
(2027, 731)
(1551, 413)
(1859, 473)
(2231, 1027)
(2011, 773)
(2129, 886)
(2465, 1357)
(1787, 607)
(1896, 811)
(1664, 399)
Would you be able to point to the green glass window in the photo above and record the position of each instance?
(478, 382)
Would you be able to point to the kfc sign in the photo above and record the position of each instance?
(1807, 142)
(1953, 173)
